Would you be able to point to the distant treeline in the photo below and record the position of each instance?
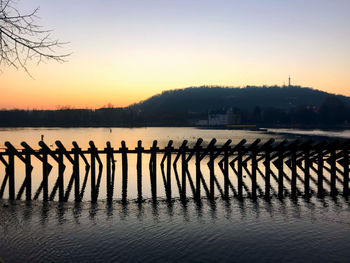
(264, 106)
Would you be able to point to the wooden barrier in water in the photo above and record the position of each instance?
(292, 167)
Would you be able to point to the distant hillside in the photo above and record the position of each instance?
(260, 106)
(206, 98)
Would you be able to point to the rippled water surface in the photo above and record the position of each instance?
(288, 231)
(235, 231)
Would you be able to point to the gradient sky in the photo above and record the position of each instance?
(126, 51)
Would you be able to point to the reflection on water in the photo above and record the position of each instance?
(304, 231)
(301, 230)
(130, 135)
(128, 172)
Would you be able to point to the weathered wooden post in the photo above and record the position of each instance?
(13, 150)
(239, 172)
(109, 153)
(332, 161)
(183, 149)
(292, 153)
(76, 170)
(239, 148)
(267, 149)
(29, 169)
(11, 173)
(254, 166)
(212, 149)
(79, 152)
(280, 161)
(168, 151)
(307, 170)
(124, 151)
(320, 163)
(197, 149)
(45, 174)
(346, 169)
(3, 185)
(226, 149)
(61, 169)
(294, 171)
(37, 154)
(139, 151)
(267, 173)
(92, 151)
(153, 170)
(100, 169)
(254, 151)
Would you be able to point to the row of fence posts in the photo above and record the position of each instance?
(295, 155)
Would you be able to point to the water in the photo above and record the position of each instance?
(130, 135)
(115, 135)
(241, 231)
(234, 231)
(339, 134)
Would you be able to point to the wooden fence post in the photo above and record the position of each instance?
(183, 150)
(294, 171)
(346, 170)
(153, 170)
(307, 171)
(45, 176)
(76, 169)
(266, 148)
(239, 173)
(92, 151)
(320, 190)
(168, 152)
(109, 153)
(139, 151)
(198, 149)
(332, 161)
(280, 172)
(124, 151)
(61, 169)
(303, 156)
(28, 179)
(11, 173)
(227, 149)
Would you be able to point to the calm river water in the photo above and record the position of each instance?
(221, 231)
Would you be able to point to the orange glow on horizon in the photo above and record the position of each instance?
(130, 79)
(127, 51)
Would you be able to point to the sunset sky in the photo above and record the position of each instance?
(126, 51)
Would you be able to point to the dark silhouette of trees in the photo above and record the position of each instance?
(333, 111)
(256, 118)
(305, 115)
(187, 107)
(211, 98)
(23, 40)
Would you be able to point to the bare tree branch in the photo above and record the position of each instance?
(23, 40)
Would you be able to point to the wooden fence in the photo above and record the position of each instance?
(282, 164)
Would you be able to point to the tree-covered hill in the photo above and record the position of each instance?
(205, 98)
(262, 106)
